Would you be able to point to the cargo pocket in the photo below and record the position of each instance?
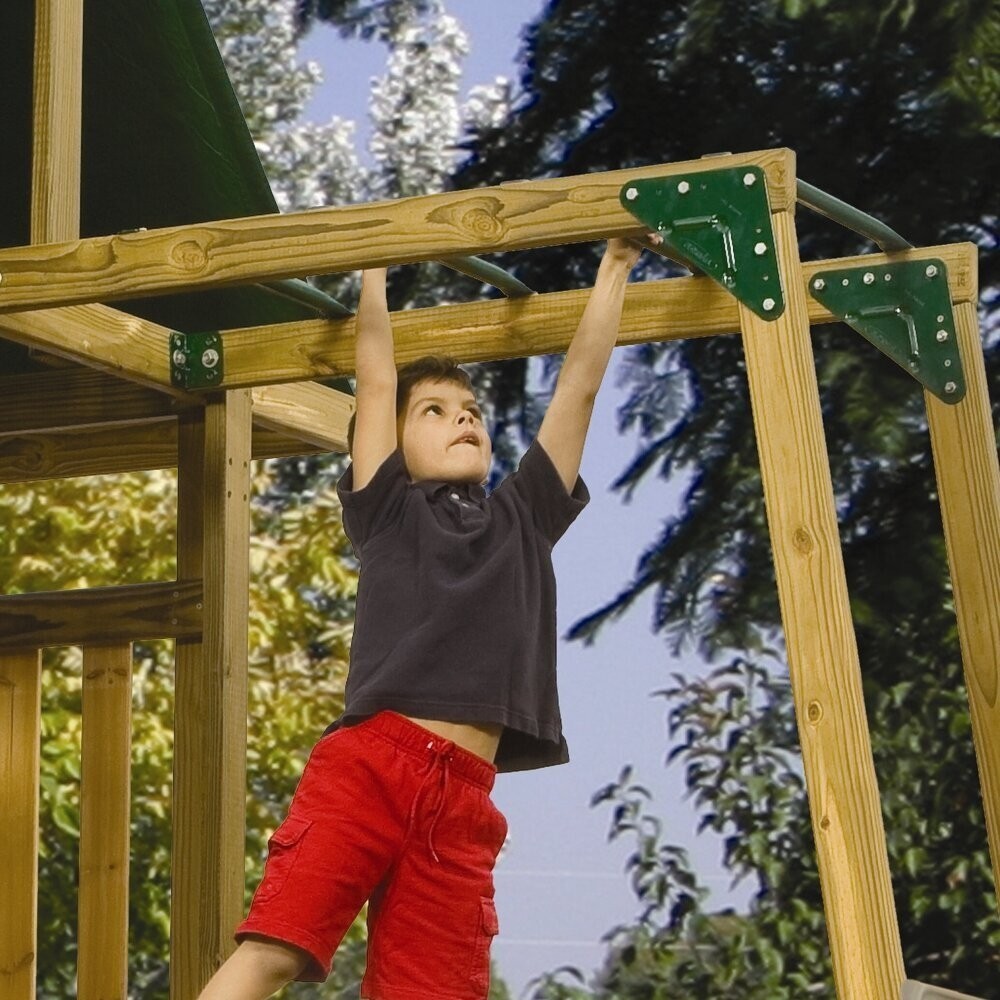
(488, 929)
(282, 850)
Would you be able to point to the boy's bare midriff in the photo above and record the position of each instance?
(482, 739)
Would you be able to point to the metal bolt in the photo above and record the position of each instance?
(760, 249)
(942, 336)
(768, 304)
(631, 194)
(846, 281)
(950, 387)
(179, 357)
(940, 319)
(683, 187)
(947, 362)
(749, 179)
(869, 277)
(888, 277)
(931, 271)
(210, 358)
(819, 284)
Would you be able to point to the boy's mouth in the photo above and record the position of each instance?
(466, 439)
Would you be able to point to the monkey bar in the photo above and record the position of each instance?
(116, 408)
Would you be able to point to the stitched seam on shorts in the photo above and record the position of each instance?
(421, 756)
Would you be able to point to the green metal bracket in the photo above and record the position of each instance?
(195, 360)
(717, 221)
(904, 309)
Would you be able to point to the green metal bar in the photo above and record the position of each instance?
(885, 239)
(489, 274)
(306, 295)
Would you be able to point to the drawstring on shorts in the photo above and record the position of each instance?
(439, 760)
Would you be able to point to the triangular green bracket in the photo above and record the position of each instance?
(195, 360)
(904, 309)
(717, 221)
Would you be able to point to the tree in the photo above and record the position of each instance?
(883, 109)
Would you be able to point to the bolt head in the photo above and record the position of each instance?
(683, 187)
(950, 387)
(942, 336)
(179, 357)
(768, 304)
(210, 358)
(819, 284)
(760, 249)
(869, 277)
(931, 271)
(749, 179)
(631, 194)
(888, 277)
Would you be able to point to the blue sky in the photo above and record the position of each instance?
(560, 885)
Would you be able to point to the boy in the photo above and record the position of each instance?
(452, 674)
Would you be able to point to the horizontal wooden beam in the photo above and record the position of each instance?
(99, 337)
(512, 216)
(78, 398)
(101, 615)
(110, 450)
(315, 413)
(495, 329)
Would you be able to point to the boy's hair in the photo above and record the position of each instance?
(430, 368)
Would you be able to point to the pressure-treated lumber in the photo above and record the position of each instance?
(672, 309)
(102, 966)
(101, 615)
(123, 345)
(316, 413)
(20, 733)
(511, 216)
(58, 101)
(78, 398)
(213, 538)
(963, 440)
(821, 646)
(32, 457)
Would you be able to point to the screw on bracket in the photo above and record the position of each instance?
(905, 315)
(719, 222)
(195, 360)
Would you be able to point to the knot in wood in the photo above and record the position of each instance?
(802, 539)
(478, 218)
(189, 255)
(814, 712)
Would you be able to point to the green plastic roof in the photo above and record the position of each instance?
(164, 144)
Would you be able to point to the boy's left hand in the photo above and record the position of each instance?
(626, 252)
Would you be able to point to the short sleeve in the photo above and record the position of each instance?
(537, 484)
(368, 510)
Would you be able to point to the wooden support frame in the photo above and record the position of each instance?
(822, 650)
(213, 542)
(20, 739)
(968, 479)
(105, 799)
(513, 216)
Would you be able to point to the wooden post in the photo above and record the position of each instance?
(822, 649)
(20, 734)
(963, 440)
(58, 101)
(213, 530)
(104, 822)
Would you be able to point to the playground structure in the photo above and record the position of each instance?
(139, 394)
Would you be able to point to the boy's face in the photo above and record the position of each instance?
(442, 435)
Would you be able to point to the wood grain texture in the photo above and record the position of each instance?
(58, 104)
(101, 615)
(496, 329)
(821, 646)
(78, 398)
(316, 413)
(33, 457)
(963, 440)
(213, 535)
(512, 216)
(105, 807)
(20, 734)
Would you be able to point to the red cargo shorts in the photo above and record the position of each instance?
(388, 812)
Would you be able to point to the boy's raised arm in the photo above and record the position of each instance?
(564, 428)
(375, 386)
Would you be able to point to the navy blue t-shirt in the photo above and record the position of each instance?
(456, 602)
